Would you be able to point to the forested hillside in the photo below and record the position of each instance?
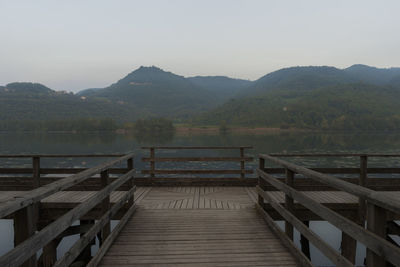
(159, 93)
(359, 97)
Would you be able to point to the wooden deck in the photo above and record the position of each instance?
(197, 226)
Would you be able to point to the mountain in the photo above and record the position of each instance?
(34, 102)
(376, 76)
(223, 87)
(315, 98)
(340, 107)
(157, 92)
(300, 78)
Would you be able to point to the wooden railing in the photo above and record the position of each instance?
(22, 179)
(24, 209)
(155, 174)
(377, 206)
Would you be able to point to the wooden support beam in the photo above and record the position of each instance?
(348, 247)
(131, 182)
(152, 163)
(289, 203)
(362, 182)
(261, 183)
(86, 253)
(242, 174)
(24, 227)
(36, 172)
(376, 223)
(49, 254)
(305, 244)
(105, 205)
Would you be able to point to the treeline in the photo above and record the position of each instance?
(153, 126)
(78, 125)
(344, 107)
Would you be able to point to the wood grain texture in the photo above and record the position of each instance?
(205, 237)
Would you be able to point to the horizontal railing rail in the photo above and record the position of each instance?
(25, 210)
(23, 178)
(377, 204)
(152, 159)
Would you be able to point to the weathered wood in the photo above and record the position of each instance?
(85, 240)
(376, 223)
(196, 171)
(261, 182)
(36, 172)
(377, 198)
(152, 163)
(362, 182)
(335, 155)
(289, 203)
(184, 159)
(107, 243)
(61, 155)
(302, 260)
(196, 147)
(40, 193)
(242, 162)
(131, 182)
(304, 243)
(30, 246)
(372, 241)
(348, 247)
(25, 227)
(326, 249)
(392, 228)
(105, 205)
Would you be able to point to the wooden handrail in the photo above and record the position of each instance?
(240, 158)
(379, 249)
(197, 147)
(40, 193)
(61, 155)
(375, 197)
(333, 155)
(28, 248)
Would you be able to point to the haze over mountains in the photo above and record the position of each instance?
(358, 97)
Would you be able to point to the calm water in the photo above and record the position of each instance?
(300, 142)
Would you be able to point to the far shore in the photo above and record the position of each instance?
(187, 130)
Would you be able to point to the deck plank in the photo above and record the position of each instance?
(197, 237)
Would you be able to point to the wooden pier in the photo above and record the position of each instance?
(173, 220)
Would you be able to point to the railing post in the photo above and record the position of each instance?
(25, 227)
(362, 182)
(261, 182)
(289, 203)
(242, 173)
(152, 162)
(36, 172)
(105, 205)
(376, 223)
(130, 183)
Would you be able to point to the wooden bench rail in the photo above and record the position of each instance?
(379, 250)
(24, 253)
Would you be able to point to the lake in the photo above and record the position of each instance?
(274, 142)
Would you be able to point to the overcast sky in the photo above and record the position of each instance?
(72, 45)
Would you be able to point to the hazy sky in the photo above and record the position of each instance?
(72, 45)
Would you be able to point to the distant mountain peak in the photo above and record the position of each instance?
(28, 87)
